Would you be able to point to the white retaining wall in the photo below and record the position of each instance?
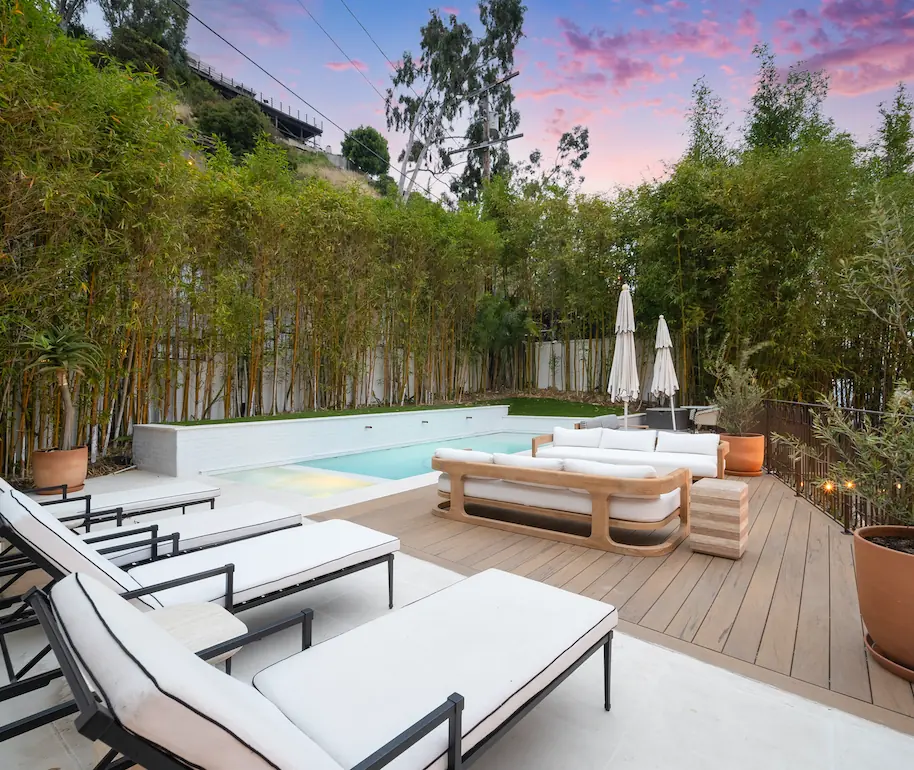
(181, 450)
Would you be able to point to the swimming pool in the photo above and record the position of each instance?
(415, 459)
(330, 476)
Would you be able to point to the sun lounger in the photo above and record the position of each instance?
(180, 493)
(432, 685)
(199, 529)
(240, 575)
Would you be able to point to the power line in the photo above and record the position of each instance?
(339, 48)
(298, 96)
(376, 45)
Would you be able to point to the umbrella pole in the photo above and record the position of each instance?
(625, 422)
(673, 411)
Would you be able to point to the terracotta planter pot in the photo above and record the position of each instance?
(885, 589)
(54, 467)
(747, 453)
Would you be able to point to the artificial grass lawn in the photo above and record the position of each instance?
(526, 406)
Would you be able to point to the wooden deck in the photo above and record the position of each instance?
(785, 614)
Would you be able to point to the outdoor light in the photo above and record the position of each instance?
(828, 486)
(849, 484)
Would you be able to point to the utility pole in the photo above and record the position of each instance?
(488, 141)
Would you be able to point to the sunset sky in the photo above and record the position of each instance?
(624, 68)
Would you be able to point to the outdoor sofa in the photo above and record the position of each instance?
(703, 454)
(432, 685)
(548, 491)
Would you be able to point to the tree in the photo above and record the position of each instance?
(127, 46)
(896, 138)
(453, 65)
(564, 172)
(69, 11)
(785, 112)
(161, 21)
(237, 122)
(705, 119)
(367, 150)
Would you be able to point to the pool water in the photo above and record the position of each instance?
(403, 462)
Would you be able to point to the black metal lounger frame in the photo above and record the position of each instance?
(97, 723)
(24, 617)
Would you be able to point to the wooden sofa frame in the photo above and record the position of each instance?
(600, 489)
(723, 449)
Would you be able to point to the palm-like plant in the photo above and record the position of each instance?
(66, 354)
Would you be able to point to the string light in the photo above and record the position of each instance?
(828, 486)
(849, 484)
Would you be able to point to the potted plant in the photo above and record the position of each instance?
(740, 397)
(66, 354)
(875, 463)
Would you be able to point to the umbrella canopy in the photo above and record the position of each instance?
(623, 376)
(664, 382)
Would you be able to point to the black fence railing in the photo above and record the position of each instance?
(810, 472)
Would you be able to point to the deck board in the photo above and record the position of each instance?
(787, 608)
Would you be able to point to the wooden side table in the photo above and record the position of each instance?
(720, 517)
(199, 626)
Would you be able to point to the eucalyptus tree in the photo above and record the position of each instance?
(162, 21)
(895, 145)
(706, 125)
(69, 11)
(431, 92)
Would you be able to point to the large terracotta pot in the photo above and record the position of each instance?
(885, 589)
(54, 467)
(747, 453)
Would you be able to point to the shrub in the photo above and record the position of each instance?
(238, 122)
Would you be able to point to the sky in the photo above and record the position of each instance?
(623, 68)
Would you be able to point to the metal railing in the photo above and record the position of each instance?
(810, 473)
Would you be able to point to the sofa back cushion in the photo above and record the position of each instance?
(631, 440)
(588, 437)
(463, 455)
(688, 443)
(523, 461)
(609, 421)
(605, 469)
(162, 692)
(43, 532)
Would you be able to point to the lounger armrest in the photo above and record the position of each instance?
(174, 506)
(305, 618)
(723, 449)
(64, 499)
(152, 529)
(88, 517)
(450, 711)
(151, 541)
(62, 488)
(539, 441)
(227, 569)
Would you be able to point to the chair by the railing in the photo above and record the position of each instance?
(810, 471)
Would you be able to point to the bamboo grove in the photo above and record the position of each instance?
(219, 288)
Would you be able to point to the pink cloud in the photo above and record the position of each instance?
(867, 68)
(342, 66)
(642, 12)
(450, 9)
(747, 25)
(677, 5)
(727, 69)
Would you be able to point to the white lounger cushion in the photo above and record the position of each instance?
(700, 465)
(269, 562)
(199, 529)
(45, 534)
(662, 462)
(165, 694)
(589, 437)
(140, 498)
(608, 469)
(495, 638)
(562, 499)
(525, 461)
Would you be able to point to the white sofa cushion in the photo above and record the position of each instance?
(268, 562)
(495, 638)
(570, 452)
(162, 692)
(562, 499)
(700, 465)
(523, 461)
(570, 437)
(199, 529)
(463, 455)
(688, 443)
(607, 469)
(139, 498)
(629, 440)
(63, 549)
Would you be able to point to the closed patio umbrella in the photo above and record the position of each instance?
(664, 381)
(623, 376)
